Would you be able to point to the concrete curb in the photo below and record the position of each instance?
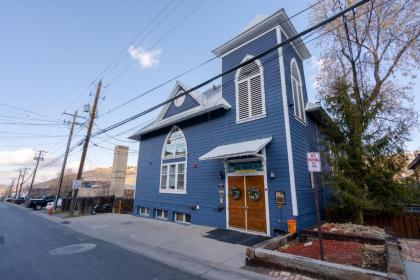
(317, 268)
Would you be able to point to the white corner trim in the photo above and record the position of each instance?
(287, 128)
(267, 206)
(226, 164)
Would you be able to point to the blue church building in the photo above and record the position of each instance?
(234, 155)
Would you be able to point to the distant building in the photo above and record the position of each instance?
(234, 156)
(415, 166)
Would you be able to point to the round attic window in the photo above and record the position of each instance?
(180, 100)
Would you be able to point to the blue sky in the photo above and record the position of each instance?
(52, 51)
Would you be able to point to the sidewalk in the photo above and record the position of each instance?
(145, 234)
(177, 245)
(411, 257)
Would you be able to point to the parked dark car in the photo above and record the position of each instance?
(101, 208)
(20, 200)
(38, 203)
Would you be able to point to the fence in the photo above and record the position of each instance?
(406, 225)
(84, 205)
(123, 205)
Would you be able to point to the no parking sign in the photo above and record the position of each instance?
(314, 162)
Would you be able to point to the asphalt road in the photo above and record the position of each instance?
(34, 248)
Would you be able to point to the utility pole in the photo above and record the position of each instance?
(63, 167)
(37, 158)
(85, 146)
(10, 189)
(17, 185)
(23, 179)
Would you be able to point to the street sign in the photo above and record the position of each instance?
(314, 162)
(314, 165)
(76, 184)
(86, 185)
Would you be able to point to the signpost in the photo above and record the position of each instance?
(77, 184)
(80, 184)
(314, 165)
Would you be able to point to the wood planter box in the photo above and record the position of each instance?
(263, 254)
(343, 237)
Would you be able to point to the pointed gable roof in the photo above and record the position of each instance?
(176, 88)
(209, 100)
(260, 25)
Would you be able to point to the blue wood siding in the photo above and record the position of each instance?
(271, 125)
(218, 128)
(304, 139)
(188, 103)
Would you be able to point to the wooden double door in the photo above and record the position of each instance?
(247, 203)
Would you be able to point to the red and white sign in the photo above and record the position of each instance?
(314, 162)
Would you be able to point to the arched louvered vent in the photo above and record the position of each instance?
(250, 99)
(299, 102)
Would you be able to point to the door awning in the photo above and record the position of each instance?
(247, 148)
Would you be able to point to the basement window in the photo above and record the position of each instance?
(144, 211)
(182, 218)
(161, 214)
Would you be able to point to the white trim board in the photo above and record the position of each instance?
(287, 128)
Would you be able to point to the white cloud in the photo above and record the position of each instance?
(145, 58)
(11, 160)
(17, 158)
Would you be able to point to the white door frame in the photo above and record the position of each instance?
(263, 173)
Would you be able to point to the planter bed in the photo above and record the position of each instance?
(351, 252)
(349, 232)
(355, 254)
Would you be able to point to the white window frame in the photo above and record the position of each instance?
(163, 214)
(180, 100)
(184, 218)
(248, 80)
(174, 191)
(147, 212)
(166, 140)
(182, 160)
(299, 84)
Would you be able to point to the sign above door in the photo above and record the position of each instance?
(252, 166)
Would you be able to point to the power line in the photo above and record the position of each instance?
(232, 69)
(121, 53)
(287, 41)
(111, 149)
(36, 124)
(160, 39)
(24, 110)
(28, 118)
(100, 132)
(29, 134)
(140, 38)
(191, 69)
